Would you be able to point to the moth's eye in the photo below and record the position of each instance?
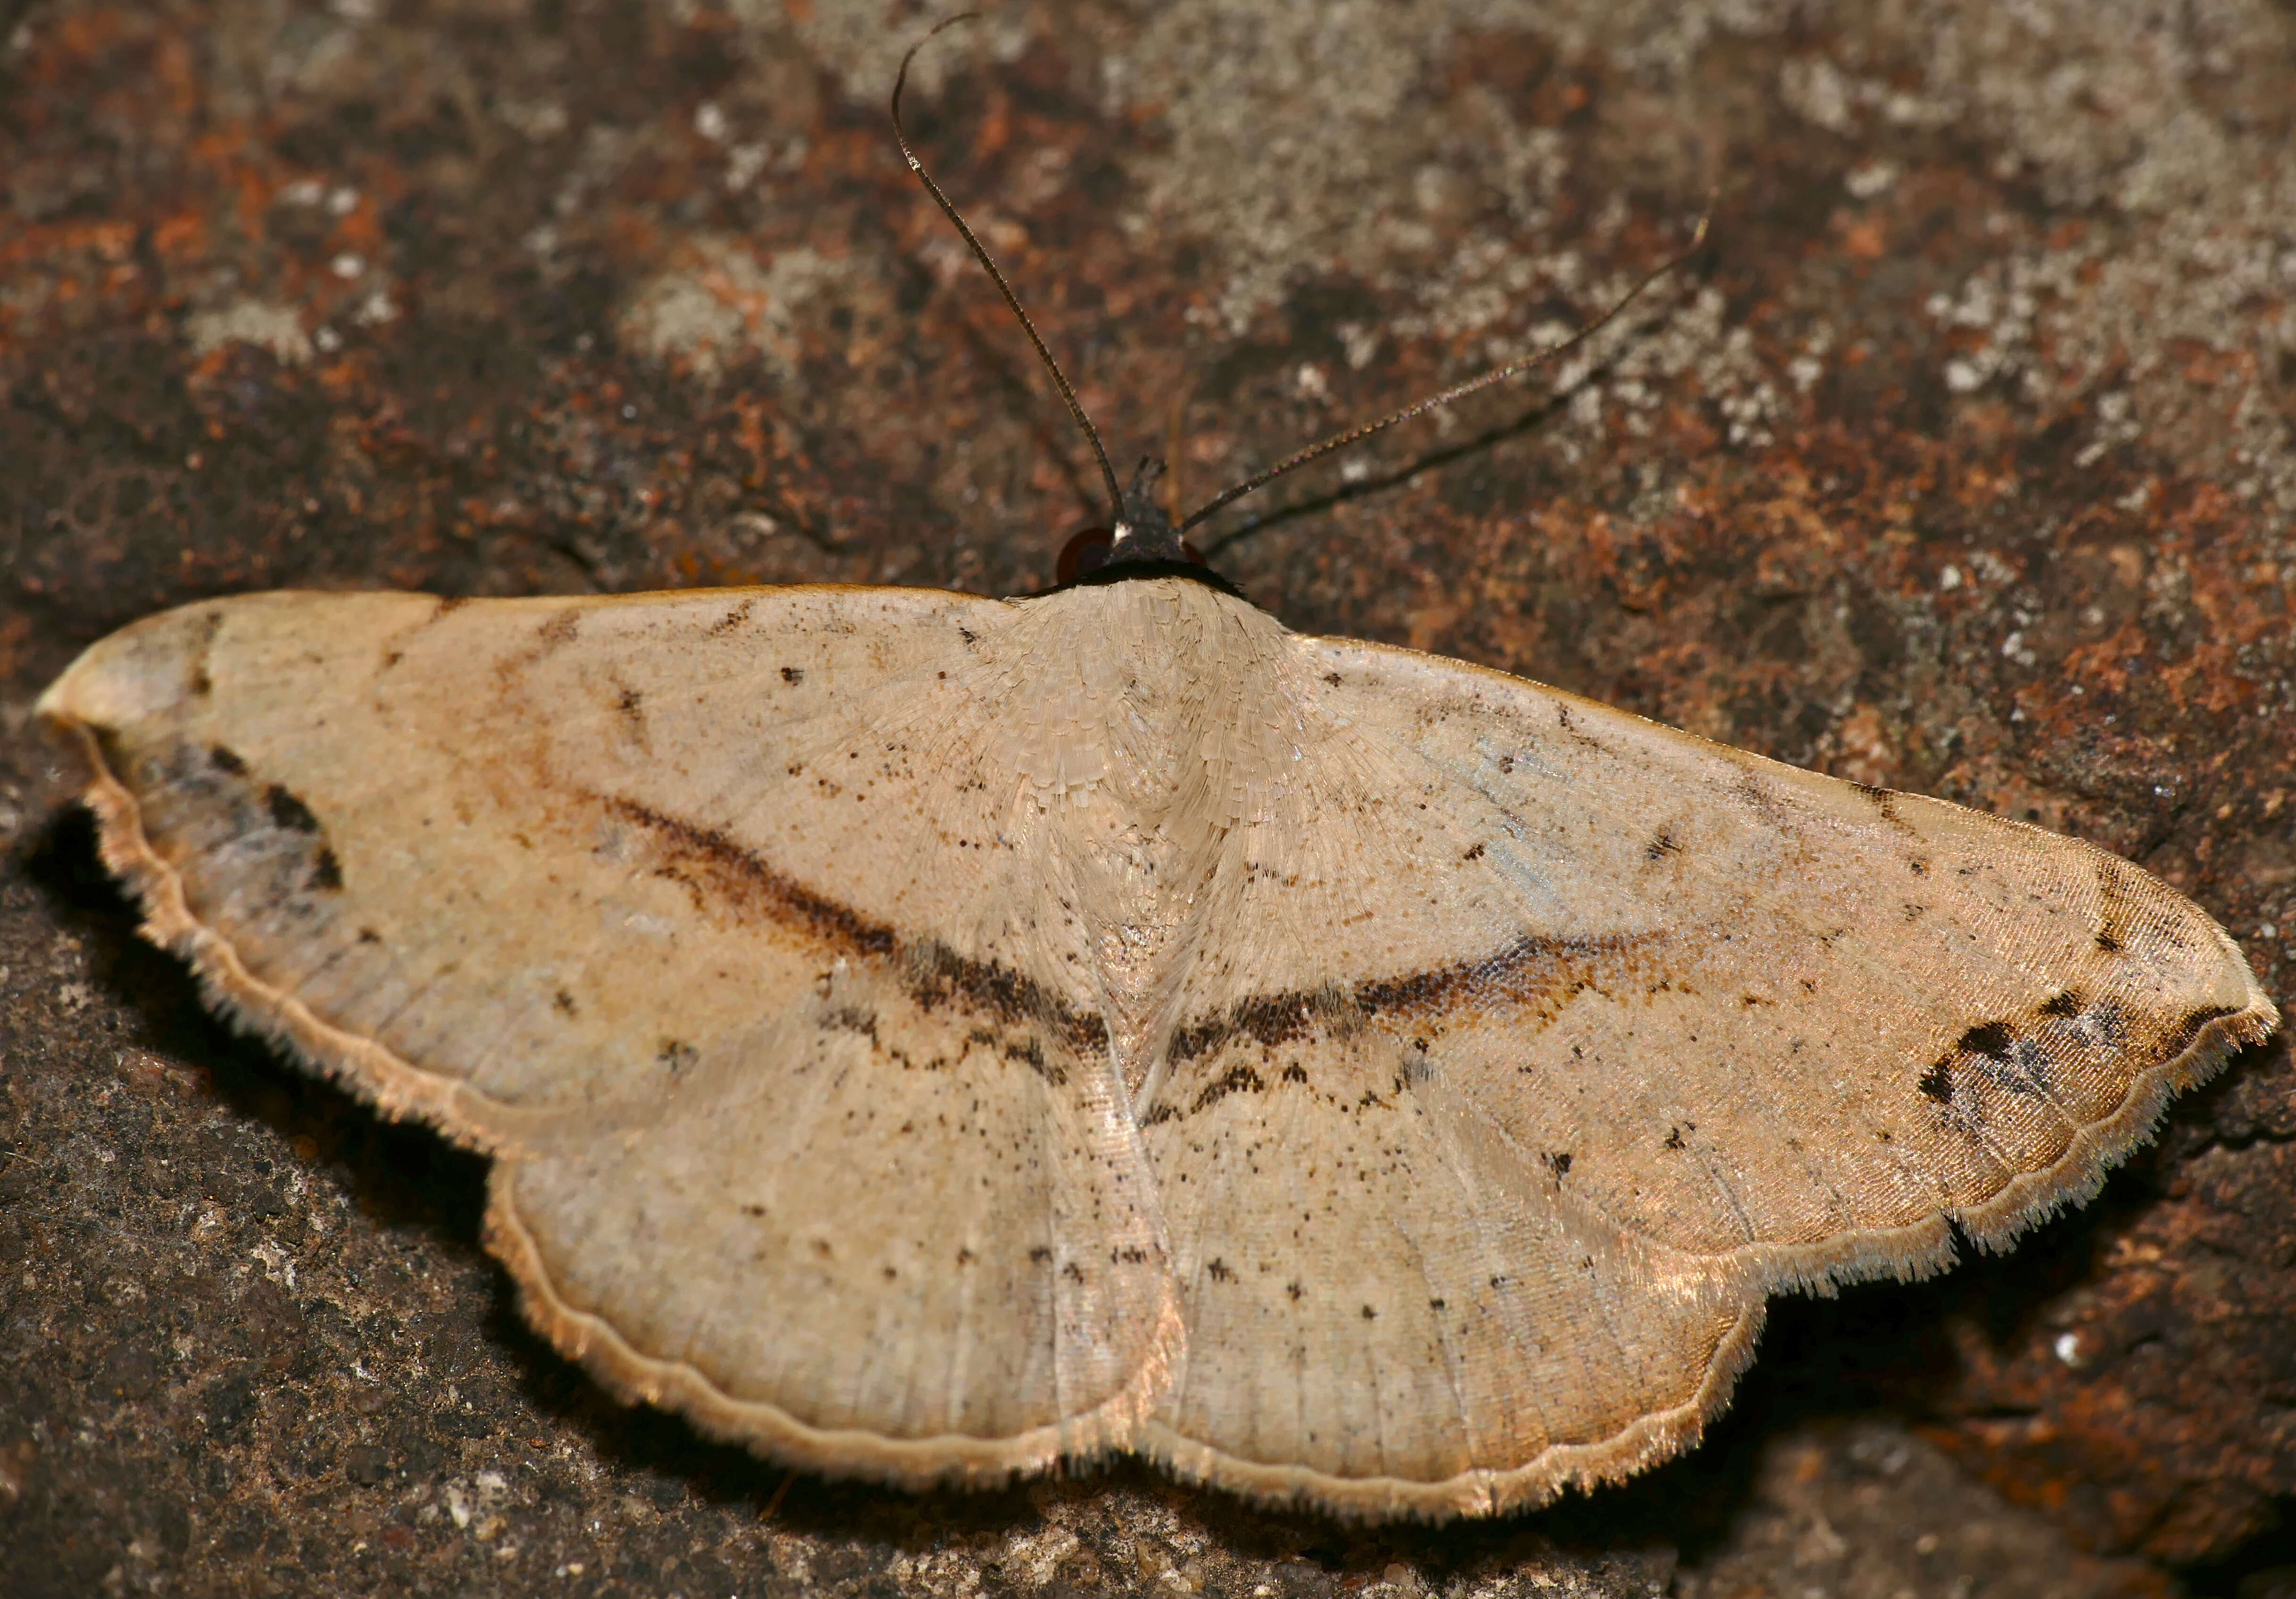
(1086, 551)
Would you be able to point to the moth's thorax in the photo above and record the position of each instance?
(1166, 701)
(1142, 723)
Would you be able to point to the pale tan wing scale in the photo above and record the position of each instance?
(1789, 1011)
(1530, 1045)
(805, 1124)
(925, 1035)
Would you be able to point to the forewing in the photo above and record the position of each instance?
(1781, 1020)
(688, 907)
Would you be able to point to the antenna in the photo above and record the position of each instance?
(1116, 503)
(1142, 529)
(1461, 390)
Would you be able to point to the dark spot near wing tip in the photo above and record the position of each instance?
(1987, 1038)
(1435, 1304)
(1474, 854)
(2180, 1037)
(564, 1002)
(676, 1054)
(226, 759)
(1937, 1082)
(196, 679)
(968, 635)
(1559, 1163)
(367, 935)
(1333, 678)
(288, 812)
(1219, 1271)
(327, 872)
(1039, 1255)
(1073, 1271)
(2065, 1002)
(792, 673)
(965, 1256)
(1661, 845)
(2114, 886)
(1674, 1138)
(1917, 865)
(630, 702)
(1369, 1314)
(753, 1209)
(1293, 1290)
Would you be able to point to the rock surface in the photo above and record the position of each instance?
(1964, 461)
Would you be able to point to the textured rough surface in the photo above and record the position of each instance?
(1964, 466)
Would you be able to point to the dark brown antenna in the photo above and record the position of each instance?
(1457, 391)
(1115, 506)
(1143, 530)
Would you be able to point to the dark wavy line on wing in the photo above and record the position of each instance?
(711, 863)
(1537, 976)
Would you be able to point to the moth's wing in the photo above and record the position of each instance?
(1391, 1309)
(1879, 1011)
(687, 908)
(1530, 1045)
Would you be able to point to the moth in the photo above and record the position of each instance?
(934, 1039)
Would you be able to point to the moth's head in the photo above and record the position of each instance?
(1143, 531)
